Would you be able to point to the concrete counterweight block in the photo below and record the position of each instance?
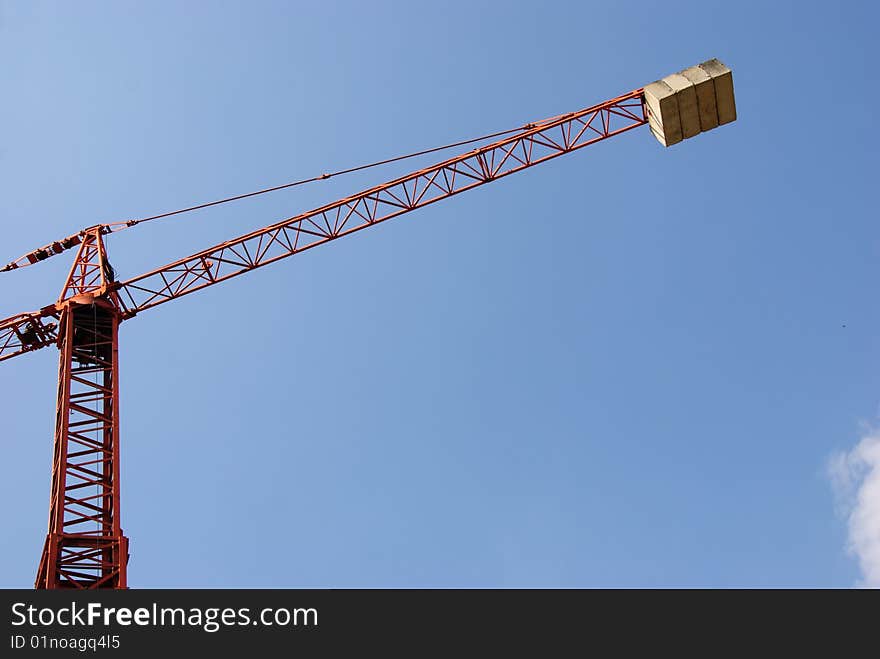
(690, 102)
(705, 90)
(686, 96)
(662, 107)
(723, 79)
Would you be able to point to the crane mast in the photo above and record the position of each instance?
(85, 546)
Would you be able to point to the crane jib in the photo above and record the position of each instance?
(676, 107)
(535, 143)
(85, 546)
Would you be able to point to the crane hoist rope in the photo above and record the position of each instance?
(58, 246)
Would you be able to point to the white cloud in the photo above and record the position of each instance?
(855, 476)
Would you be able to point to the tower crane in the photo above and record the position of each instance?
(85, 546)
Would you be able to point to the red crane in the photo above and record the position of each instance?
(85, 546)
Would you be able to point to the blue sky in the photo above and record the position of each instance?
(628, 367)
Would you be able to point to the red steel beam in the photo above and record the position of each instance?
(29, 331)
(536, 144)
(85, 547)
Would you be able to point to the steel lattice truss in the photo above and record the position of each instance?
(90, 269)
(28, 331)
(535, 145)
(84, 547)
(31, 331)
